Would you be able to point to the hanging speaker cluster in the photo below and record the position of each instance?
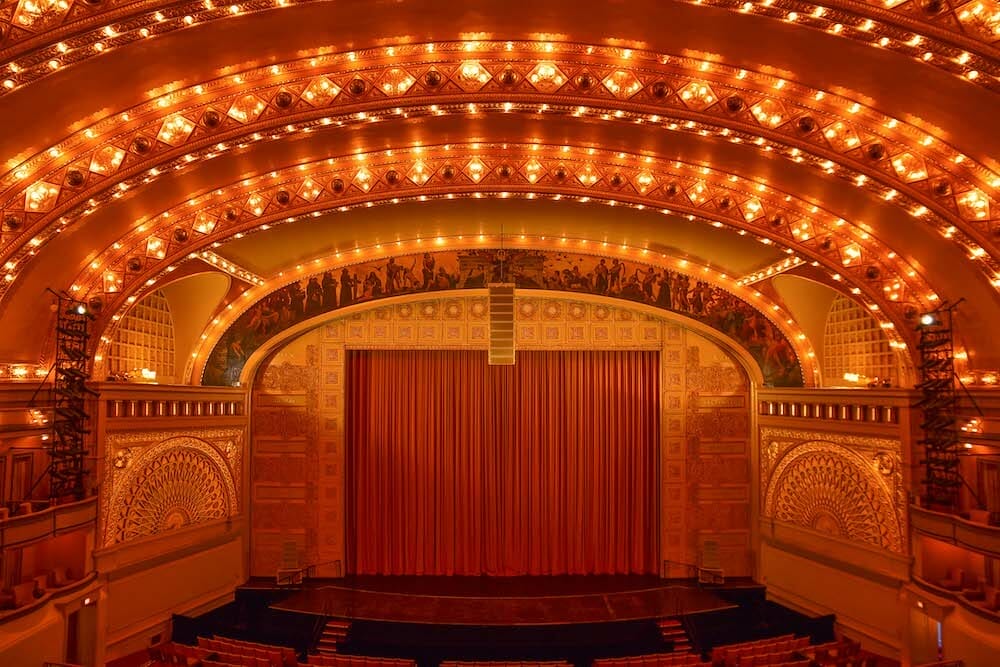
(501, 324)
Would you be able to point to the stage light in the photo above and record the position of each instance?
(81, 309)
(928, 319)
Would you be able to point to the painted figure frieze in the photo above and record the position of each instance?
(655, 286)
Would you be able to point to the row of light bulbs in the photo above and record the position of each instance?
(189, 158)
(974, 201)
(204, 223)
(175, 98)
(362, 253)
(974, 253)
(43, 61)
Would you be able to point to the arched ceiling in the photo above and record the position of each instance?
(850, 143)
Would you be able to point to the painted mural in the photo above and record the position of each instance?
(528, 269)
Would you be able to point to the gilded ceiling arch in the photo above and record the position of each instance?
(31, 32)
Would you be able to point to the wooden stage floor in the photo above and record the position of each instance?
(500, 601)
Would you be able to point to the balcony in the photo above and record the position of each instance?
(951, 528)
(24, 529)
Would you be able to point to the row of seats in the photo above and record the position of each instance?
(277, 656)
(32, 588)
(652, 660)
(356, 661)
(837, 653)
(767, 659)
(733, 655)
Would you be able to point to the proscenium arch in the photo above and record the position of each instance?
(273, 345)
(782, 358)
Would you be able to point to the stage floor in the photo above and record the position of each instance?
(501, 601)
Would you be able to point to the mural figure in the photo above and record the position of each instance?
(528, 269)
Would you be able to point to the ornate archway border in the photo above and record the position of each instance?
(940, 34)
(845, 147)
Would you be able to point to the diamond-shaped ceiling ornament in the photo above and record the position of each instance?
(532, 170)
(803, 231)
(698, 95)
(475, 169)
(112, 282)
(644, 181)
(310, 190)
(546, 77)
(175, 130)
(699, 193)
(155, 247)
(982, 16)
(256, 204)
(841, 135)
(247, 108)
(769, 112)
(851, 253)
(622, 84)
(909, 167)
(364, 179)
(472, 76)
(973, 205)
(396, 81)
(204, 223)
(752, 209)
(37, 14)
(419, 173)
(320, 91)
(107, 160)
(41, 197)
(588, 174)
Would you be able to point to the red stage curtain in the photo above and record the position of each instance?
(545, 467)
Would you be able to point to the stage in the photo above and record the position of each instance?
(499, 601)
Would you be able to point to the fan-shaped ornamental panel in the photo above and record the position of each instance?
(829, 488)
(179, 482)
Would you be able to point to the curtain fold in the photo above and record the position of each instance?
(546, 467)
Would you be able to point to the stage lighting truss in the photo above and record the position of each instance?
(939, 403)
(69, 394)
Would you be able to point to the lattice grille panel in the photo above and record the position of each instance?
(853, 342)
(145, 339)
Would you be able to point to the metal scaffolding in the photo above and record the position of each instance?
(939, 402)
(68, 448)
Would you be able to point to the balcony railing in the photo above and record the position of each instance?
(143, 401)
(958, 598)
(875, 407)
(952, 528)
(27, 528)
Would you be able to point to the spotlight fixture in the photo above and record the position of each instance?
(929, 319)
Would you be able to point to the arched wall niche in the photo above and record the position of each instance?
(781, 359)
(296, 495)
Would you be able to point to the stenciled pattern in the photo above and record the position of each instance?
(179, 482)
(829, 488)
